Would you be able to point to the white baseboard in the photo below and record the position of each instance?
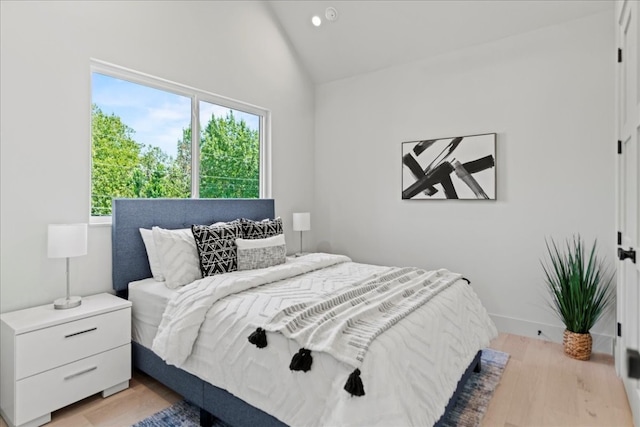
(601, 343)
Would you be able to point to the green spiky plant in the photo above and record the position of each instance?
(580, 287)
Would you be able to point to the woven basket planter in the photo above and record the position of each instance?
(577, 346)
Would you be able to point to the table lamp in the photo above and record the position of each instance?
(65, 241)
(301, 222)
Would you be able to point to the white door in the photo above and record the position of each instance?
(628, 214)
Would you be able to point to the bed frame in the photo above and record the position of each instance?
(129, 263)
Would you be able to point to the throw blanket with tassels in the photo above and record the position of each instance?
(186, 311)
(345, 323)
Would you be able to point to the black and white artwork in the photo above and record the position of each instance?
(463, 167)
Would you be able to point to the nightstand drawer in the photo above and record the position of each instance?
(58, 345)
(51, 390)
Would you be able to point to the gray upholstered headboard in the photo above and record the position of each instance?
(129, 256)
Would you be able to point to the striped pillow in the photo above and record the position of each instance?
(261, 253)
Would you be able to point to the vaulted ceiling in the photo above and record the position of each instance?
(371, 35)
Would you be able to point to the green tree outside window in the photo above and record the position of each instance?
(122, 167)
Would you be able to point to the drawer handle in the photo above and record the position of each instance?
(80, 373)
(81, 332)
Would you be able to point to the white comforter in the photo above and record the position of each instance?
(409, 372)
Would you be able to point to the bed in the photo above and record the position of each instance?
(241, 393)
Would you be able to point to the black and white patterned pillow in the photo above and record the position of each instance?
(261, 229)
(217, 247)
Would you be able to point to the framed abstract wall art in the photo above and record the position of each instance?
(462, 167)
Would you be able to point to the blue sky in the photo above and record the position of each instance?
(158, 117)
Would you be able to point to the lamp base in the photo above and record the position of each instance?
(64, 303)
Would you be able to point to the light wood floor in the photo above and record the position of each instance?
(542, 387)
(539, 387)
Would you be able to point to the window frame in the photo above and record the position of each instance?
(196, 95)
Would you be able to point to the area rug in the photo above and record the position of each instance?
(468, 412)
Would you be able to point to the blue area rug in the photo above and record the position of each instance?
(478, 391)
(468, 412)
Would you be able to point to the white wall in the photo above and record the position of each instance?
(232, 49)
(548, 95)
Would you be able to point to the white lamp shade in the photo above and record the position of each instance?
(67, 240)
(302, 221)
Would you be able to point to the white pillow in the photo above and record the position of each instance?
(276, 240)
(152, 254)
(261, 253)
(178, 256)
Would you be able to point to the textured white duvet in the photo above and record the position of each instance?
(409, 372)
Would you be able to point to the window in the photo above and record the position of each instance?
(152, 138)
(229, 152)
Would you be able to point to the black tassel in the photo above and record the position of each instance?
(258, 338)
(301, 361)
(354, 384)
(466, 280)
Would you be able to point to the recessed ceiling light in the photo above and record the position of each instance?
(331, 13)
(316, 21)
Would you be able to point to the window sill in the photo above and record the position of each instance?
(100, 221)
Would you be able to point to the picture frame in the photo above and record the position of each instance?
(453, 168)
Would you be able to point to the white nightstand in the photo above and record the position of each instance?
(52, 358)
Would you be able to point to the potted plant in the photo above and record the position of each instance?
(580, 290)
